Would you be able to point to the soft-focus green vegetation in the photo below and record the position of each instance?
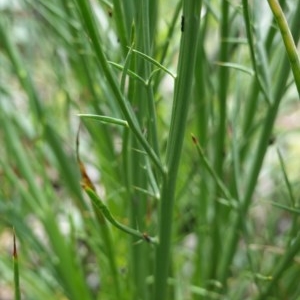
(149, 149)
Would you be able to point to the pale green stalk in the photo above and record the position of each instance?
(141, 98)
(220, 136)
(182, 95)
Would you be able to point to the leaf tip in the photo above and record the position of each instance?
(15, 253)
(194, 139)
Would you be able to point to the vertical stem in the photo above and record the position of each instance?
(146, 48)
(153, 8)
(129, 11)
(183, 84)
(223, 87)
(202, 108)
(221, 133)
(143, 101)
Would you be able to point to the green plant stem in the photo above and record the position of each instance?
(104, 119)
(223, 87)
(221, 186)
(273, 30)
(129, 11)
(220, 136)
(146, 46)
(141, 98)
(202, 107)
(153, 8)
(183, 84)
(288, 40)
(108, 216)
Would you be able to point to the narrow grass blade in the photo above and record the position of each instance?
(211, 171)
(286, 179)
(236, 67)
(125, 69)
(286, 208)
(128, 72)
(154, 62)
(104, 119)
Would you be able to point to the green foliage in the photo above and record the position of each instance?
(148, 150)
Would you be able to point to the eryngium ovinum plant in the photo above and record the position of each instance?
(149, 149)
